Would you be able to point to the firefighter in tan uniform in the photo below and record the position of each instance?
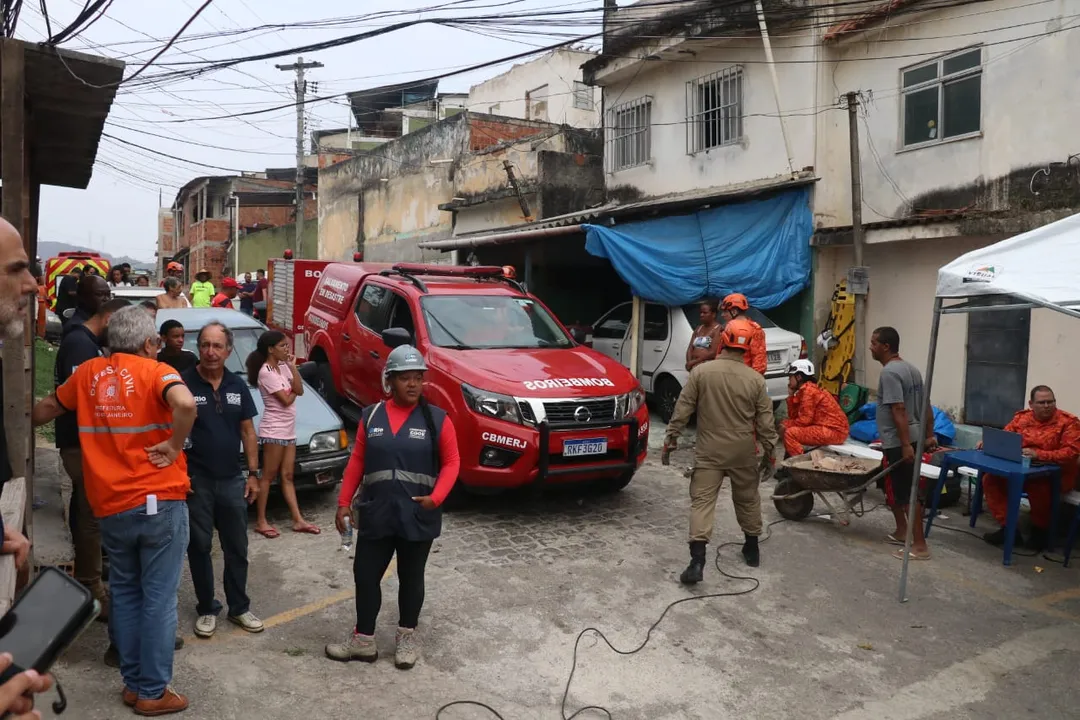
(733, 409)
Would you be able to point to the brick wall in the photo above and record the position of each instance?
(486, 133)
(211, 256)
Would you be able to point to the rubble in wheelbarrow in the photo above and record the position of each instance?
(820, 460)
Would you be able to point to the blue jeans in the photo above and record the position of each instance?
(220, 504)
(146, 554)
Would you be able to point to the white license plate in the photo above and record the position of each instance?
(774, 357)
(589, 446)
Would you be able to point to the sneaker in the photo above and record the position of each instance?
(170, 702)
(130, 697)
(112, 656)
(408, 649)
(248, 622)
(206, 626)
(357, 647)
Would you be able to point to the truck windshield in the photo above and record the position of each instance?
(489, 322)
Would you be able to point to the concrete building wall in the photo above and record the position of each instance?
(1028, 110)
(902, 288)
(760, 153)
(257, 248)
(387, 203)
(541, 89)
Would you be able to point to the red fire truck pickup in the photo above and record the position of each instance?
(530, 404)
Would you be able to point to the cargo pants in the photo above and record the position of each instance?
(705, 484)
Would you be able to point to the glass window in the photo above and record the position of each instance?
(613, 326)
(943, 98)
(490, 321)
(693, 316)
(656, 323)
(370, 306)
(401, 316)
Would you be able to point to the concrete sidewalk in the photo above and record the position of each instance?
(515, 579)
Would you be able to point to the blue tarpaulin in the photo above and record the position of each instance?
(865, 430)
(760, 248)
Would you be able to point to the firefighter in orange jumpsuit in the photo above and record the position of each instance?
(814, 416)
(736, 305)
(1049, 435)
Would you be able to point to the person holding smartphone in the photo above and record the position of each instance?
(272, 368)
(133, 416)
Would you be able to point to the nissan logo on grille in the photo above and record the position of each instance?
(583, 414)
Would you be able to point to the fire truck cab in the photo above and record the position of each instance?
(530, 405)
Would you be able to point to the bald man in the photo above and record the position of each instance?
(17, 288)
(93, 292)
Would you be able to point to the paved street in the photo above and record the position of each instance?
(514, 579)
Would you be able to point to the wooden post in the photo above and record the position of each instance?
(17, 209)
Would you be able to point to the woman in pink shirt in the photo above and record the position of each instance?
(272, 368)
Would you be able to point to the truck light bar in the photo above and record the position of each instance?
(479, 271)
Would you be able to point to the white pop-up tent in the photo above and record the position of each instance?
(1039, 269)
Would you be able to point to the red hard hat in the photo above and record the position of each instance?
(735, 300)
(737, 334)
(229, 283)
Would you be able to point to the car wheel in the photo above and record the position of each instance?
(615, 484)
(667, 394)
(326, 387)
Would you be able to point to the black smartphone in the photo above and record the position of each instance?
(44, 621)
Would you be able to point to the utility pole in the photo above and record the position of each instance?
(301, 88)
(858, 275)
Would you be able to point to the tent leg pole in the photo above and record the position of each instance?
(916, 473)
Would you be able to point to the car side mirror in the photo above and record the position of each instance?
(309, 372)
(396, 337)
(579, 335)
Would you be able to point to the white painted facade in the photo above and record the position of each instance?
(548, 88)
(1028, 110)
(1028, 67)
(676, 161)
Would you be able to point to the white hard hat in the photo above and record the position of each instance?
(404, 358)
(801, 367)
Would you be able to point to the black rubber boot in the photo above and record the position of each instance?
(695, 571)
(750, 551)
(997, 538)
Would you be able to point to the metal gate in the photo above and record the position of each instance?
(995, 382)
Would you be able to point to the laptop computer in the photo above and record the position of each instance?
(1003, 445)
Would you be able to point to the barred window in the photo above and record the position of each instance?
(583, 96)
(714, 110)
(629, 134)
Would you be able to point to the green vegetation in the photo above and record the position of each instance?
(44, 362)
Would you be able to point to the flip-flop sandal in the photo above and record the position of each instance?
(309, 530)
(899, 555)
(269, 533)
(890, 539)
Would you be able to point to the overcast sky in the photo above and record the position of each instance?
(118, 212)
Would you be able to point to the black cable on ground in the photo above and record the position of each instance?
(648, 634)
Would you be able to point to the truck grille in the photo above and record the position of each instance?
(565, 413)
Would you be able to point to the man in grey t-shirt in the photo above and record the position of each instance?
(901, 407)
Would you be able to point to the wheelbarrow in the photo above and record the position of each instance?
(799, 484)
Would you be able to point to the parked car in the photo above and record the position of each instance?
(322, 446)
(666, 336)
(530, 405)
(54, 327)
(135, 294)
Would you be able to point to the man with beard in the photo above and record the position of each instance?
(17, 287)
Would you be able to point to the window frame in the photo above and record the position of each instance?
(380, 311)
(699, 118)
(939, 82)
(641, 106)
(611, 313)
(583, 96)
